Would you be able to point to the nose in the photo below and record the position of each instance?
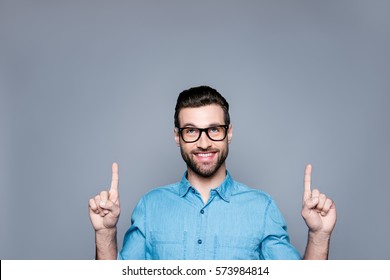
(204, 142)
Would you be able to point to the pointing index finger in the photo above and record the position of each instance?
(307, 183)
(115, 180)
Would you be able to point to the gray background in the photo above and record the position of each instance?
(86, 83)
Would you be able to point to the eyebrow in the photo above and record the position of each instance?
(210, 125)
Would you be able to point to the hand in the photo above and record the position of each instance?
(318, 211)
(104, 208)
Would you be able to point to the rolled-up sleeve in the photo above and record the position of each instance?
(134, 241)
(276, 242)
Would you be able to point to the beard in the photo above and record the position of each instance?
(204, 170)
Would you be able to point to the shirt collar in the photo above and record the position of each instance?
(224, 190)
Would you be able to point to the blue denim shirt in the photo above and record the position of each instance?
(237, 222)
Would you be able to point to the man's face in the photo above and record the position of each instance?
(205, 156)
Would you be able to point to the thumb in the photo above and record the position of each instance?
(309, 205)
(110, 206)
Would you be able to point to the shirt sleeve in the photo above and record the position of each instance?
(134, 242)
(276, 242)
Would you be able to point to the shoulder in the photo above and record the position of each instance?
(240, 188)
(162, 192)
(242, 191)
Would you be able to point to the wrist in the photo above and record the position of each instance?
(318, 238)
(317, 246)
(106, 234)
(106, 245)
(106, 231)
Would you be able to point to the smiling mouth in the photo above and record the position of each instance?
(205, 155)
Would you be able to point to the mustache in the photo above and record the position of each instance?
(209, 150)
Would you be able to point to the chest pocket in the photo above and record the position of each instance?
(165, 246)
(236, 248)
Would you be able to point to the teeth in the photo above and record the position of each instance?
(205, 155)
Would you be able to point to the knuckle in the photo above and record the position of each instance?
(91, 203)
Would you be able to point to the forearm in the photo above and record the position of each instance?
(106, 245)
(317, 247)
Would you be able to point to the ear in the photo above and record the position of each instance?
(230, 133)
(177, 136)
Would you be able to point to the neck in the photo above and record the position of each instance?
(204, 184)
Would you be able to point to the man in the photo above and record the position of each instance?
(208, 215)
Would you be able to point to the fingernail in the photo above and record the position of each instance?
(102, 203)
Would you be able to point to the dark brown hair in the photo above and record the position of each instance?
(198, 97)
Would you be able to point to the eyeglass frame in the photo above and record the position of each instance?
(180, 130)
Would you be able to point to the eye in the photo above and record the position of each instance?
(214, 129)
(190, 130)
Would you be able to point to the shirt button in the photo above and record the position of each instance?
(202, 211)
(199, 241)
(193, 190)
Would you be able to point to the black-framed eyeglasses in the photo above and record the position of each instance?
(214, 133)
